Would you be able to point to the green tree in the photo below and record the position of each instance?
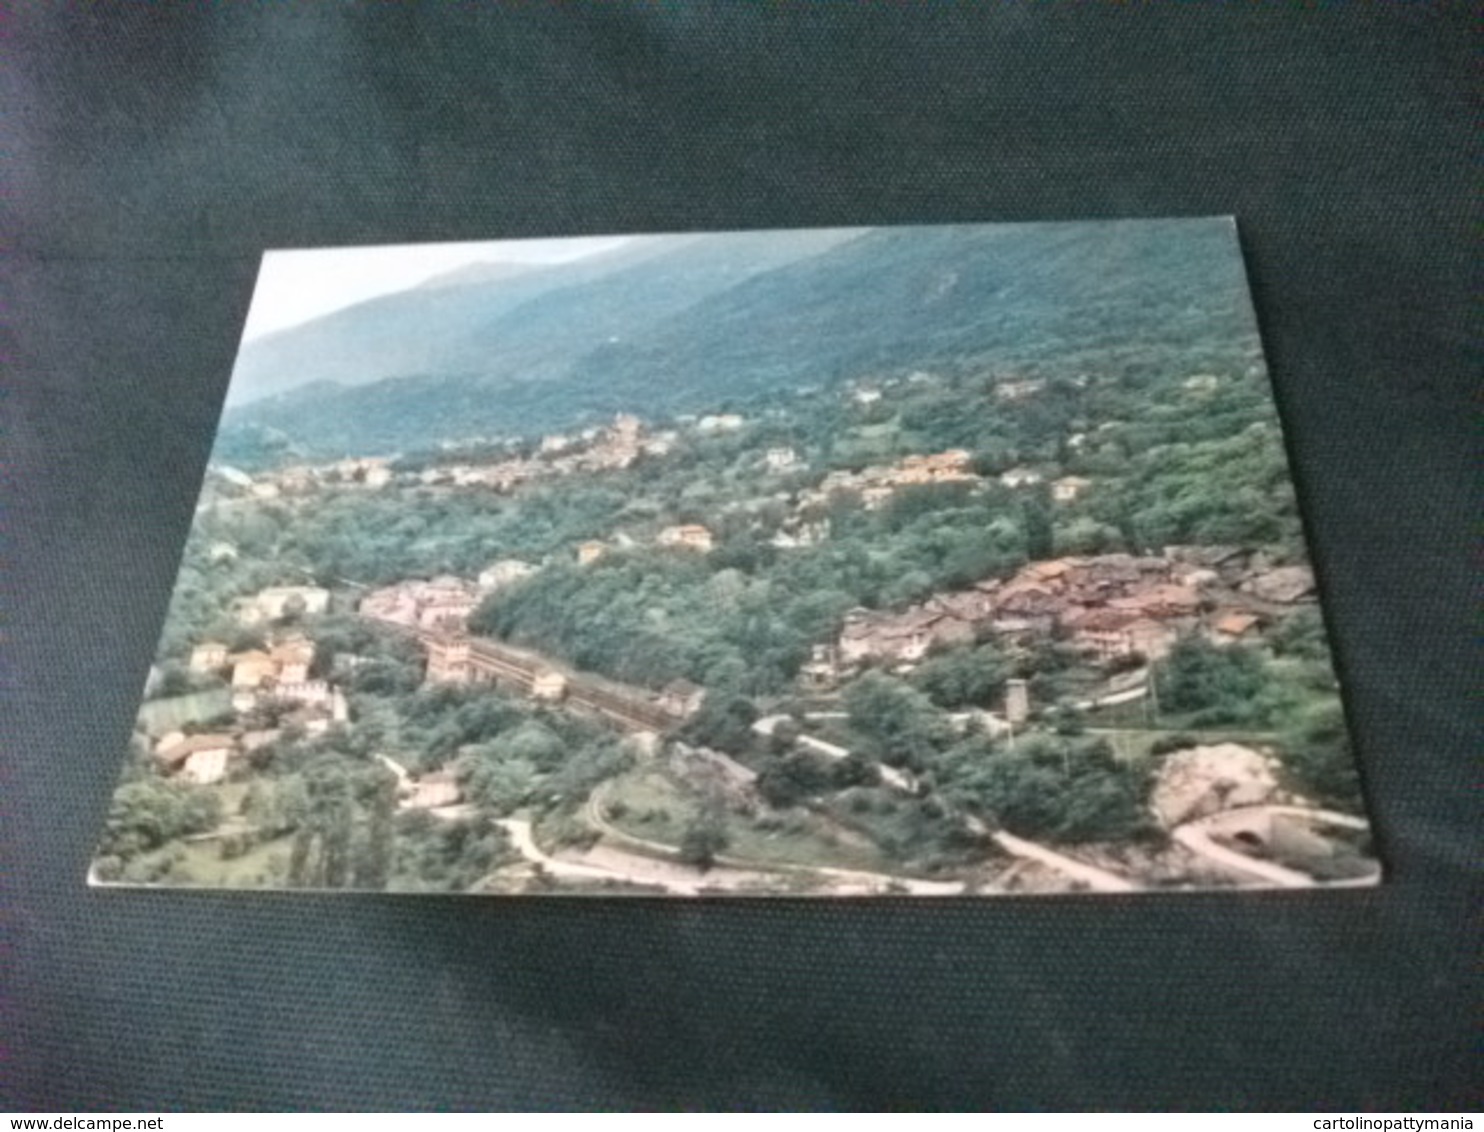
(894, 723)
(1053, 787)
(149, 812)
(373, 852)
(1217, 686)
(325, 824)
(964, 677)
(724, 723)
(438, 855)
(1035, 513)
(705, 838)
(1317, 751)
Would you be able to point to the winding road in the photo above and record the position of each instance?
(1196, 836)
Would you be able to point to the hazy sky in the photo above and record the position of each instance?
(298, 285)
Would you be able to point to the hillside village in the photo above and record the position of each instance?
(1062, 636)
(930, 562)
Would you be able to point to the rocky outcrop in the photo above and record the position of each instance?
(1201, 781)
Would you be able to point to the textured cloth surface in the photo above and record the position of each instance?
(154, 151)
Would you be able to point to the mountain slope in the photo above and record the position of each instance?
(508, 321)
(728, 317)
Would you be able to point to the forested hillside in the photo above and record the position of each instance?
(513, 322)
(917, 560)
(691, 322)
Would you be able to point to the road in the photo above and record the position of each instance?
(525, 844)
(1196, 836)
(1099, 880)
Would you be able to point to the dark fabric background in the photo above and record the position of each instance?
(151, 153)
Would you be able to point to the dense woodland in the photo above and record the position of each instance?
(688, 324)
(1176, 434)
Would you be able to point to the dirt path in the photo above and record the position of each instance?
(1099, 880)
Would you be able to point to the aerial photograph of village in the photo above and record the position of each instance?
(923, 561)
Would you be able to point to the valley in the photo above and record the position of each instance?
(758, 604)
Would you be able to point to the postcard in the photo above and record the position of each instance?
(921, 561)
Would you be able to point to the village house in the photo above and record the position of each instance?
(201, 759)
(369, 470)
(396, 605)
(1150, 638)
(292, 660)
(720, 422)
(952, 466)
(781, 459)
(899, 638)
(441, 605)
(303, 693)
(1111, 633)
(251, 668)
(1069, 488)
(208, 656)
(549, 685)
(1233, 626)
(446, 613)
(1029, 599)
(968, 606)
(1227, 564)
(660, 443)
(1020, 477)
(875, 485)
(282, 676)
(682, 698)
(276, 602)
(822, 670)
(1164, 601)
(619, 446)
(503, 573)
(448, 661)
(1017, 390)
(688, 536)
(297, 480)
(1110, 606)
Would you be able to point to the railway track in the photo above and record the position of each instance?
(485, 660)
